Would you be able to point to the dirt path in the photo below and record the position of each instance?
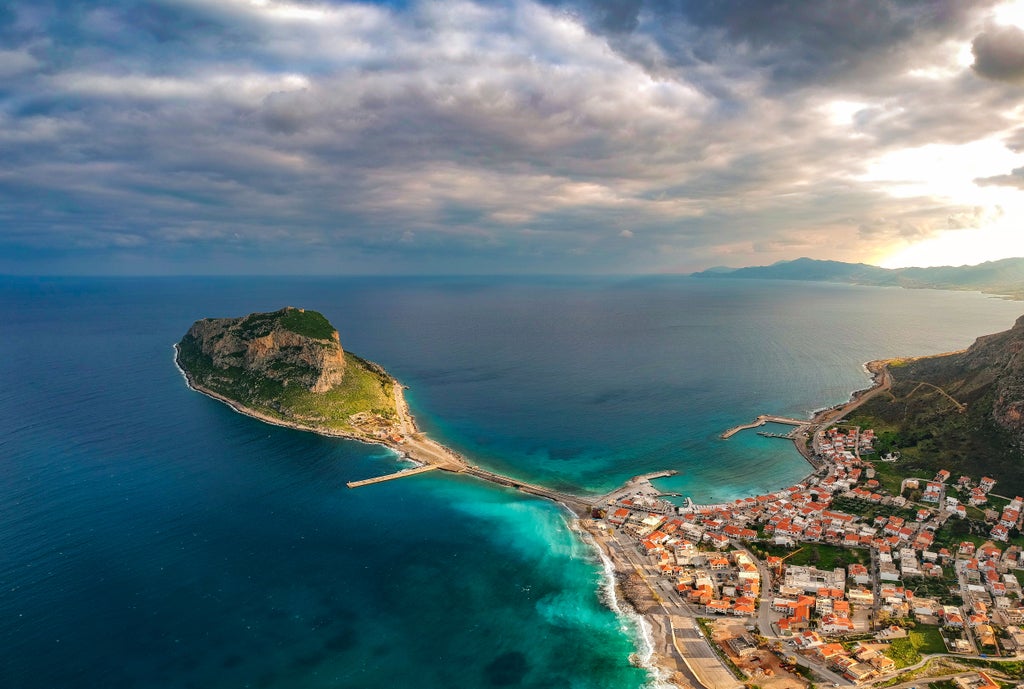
(960, 407)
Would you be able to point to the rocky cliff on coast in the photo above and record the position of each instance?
(997, 357)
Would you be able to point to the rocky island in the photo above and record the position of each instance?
(288, 368)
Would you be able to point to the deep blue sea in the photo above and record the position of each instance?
(151, 537)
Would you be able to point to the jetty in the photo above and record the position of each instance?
(637, 485)
(653, 475)
(391, 477)
(762, 420)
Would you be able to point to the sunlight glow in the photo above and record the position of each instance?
(288, 11)
(1010, 14)
(946, 170)
(964, 247)
(843, 112)
(949, 174)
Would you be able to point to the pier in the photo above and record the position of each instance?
(638, 484)
(653, 475)
(762, 420)
(391, 477)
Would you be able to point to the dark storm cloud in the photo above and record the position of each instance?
(627, 136)
(1014, 179)
(799, 43)
(999, 54)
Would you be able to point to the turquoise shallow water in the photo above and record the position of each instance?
(150, 536)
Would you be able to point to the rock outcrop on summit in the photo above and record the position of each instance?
(292, 346)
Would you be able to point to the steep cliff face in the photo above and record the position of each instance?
(999, 357)
(291, 346)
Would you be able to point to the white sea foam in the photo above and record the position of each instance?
(633, 624)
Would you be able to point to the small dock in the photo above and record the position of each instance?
(653, 475)
(785, 436)
(391, 477)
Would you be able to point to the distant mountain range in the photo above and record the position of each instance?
(1005, 277)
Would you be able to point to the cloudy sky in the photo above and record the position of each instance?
(555, 136)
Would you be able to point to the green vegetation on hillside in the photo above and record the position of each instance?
(364, 388)
(902, 651)
(925, 639)
(308, 323)
(945, 589)
(868, 510)
(302, 322)
(931, 432)
(1011, 668)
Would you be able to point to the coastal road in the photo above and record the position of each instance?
(579, 505)
(704, 662)
(880, 386)
(701, 664)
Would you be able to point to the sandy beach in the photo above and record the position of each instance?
(629, 589)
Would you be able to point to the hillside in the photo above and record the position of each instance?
(1005, 277)
(288, 367)
(963, 411)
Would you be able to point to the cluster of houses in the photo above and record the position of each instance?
(978, 493)
(723, 585)
(834, 443)
(805, 592)
(864, 661)
(991, 588)
(1009, 519)
(689, 544)
(935, 492)
(720, 583)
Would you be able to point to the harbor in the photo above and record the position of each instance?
(761, 421)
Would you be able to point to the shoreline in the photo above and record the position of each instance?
(644, 636)
(657, 648)
(881, 380)
(415, 446)
(400, 452)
